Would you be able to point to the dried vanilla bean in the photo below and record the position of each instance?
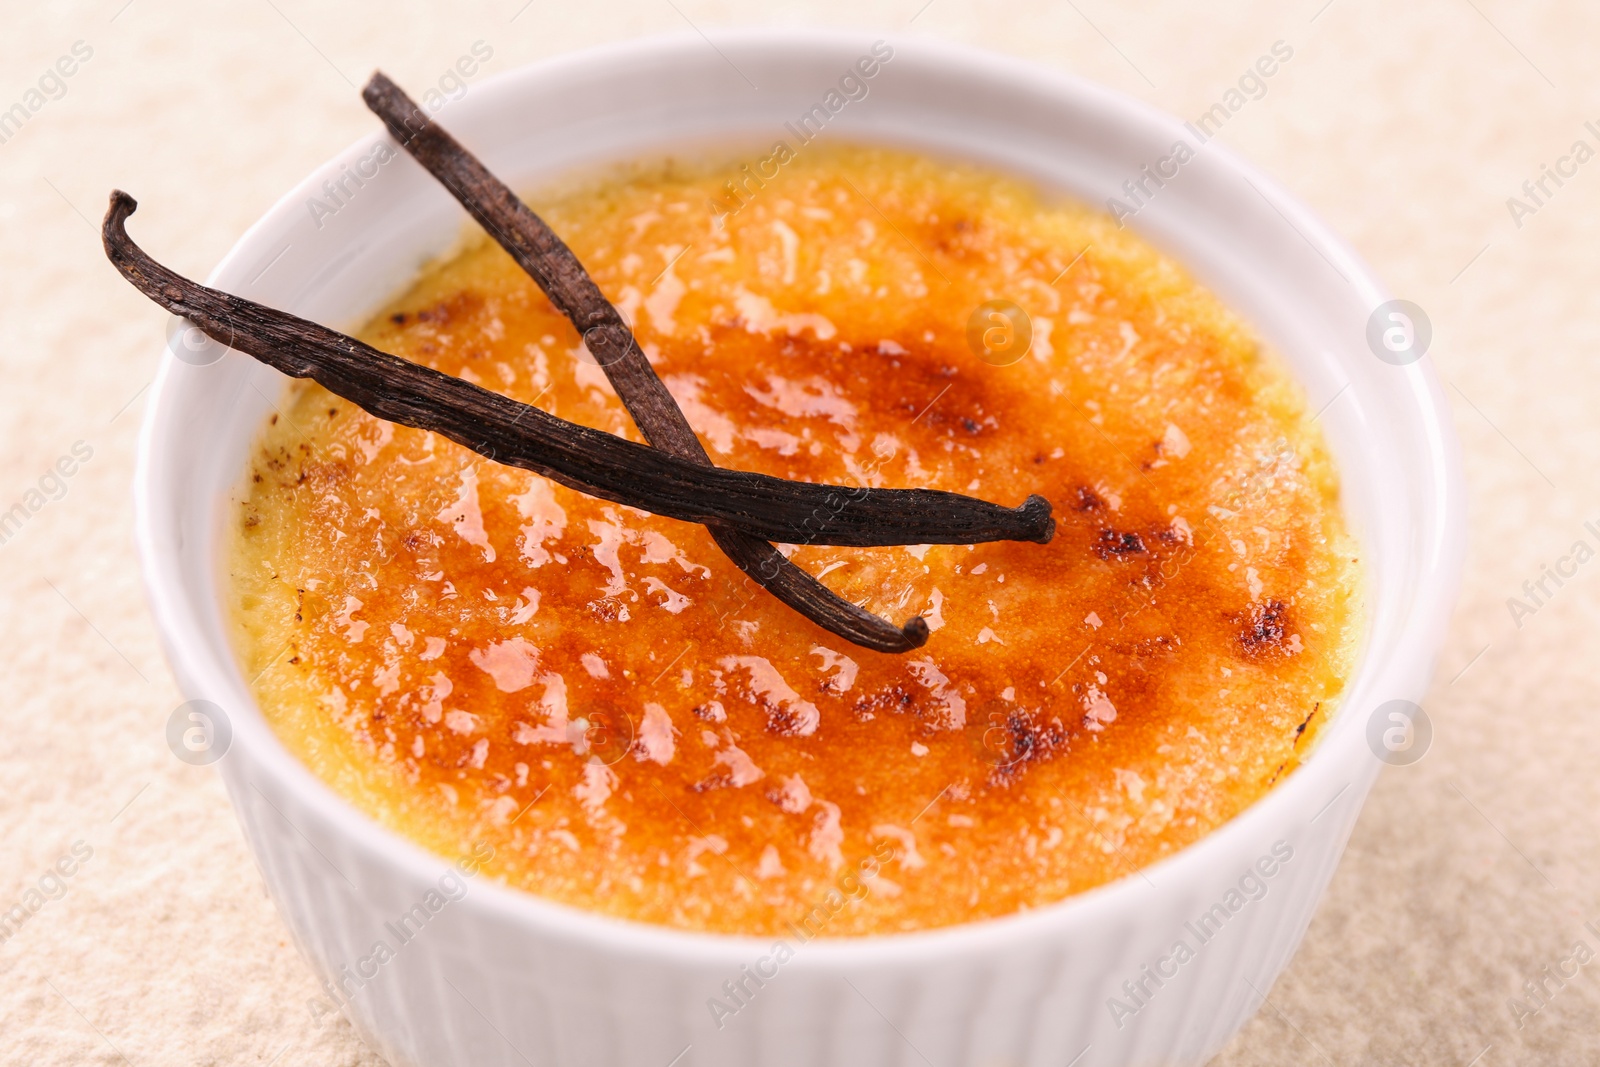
(590, 461)
(548, 260)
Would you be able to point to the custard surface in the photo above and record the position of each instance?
(471, 653)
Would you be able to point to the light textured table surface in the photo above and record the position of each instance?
(1407, 127)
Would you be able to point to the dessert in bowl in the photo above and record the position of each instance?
(563, 687)
(449, 641)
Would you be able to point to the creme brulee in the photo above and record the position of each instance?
(471, 653)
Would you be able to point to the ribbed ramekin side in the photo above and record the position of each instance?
(472, 986)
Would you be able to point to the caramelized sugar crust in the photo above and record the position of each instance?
(470, 653)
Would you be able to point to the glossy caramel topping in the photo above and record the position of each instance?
(471, 653)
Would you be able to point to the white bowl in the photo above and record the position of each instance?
(508, 978)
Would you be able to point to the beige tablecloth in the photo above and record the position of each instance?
(1406, 126)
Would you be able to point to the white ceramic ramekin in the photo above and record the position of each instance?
(500, 977)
